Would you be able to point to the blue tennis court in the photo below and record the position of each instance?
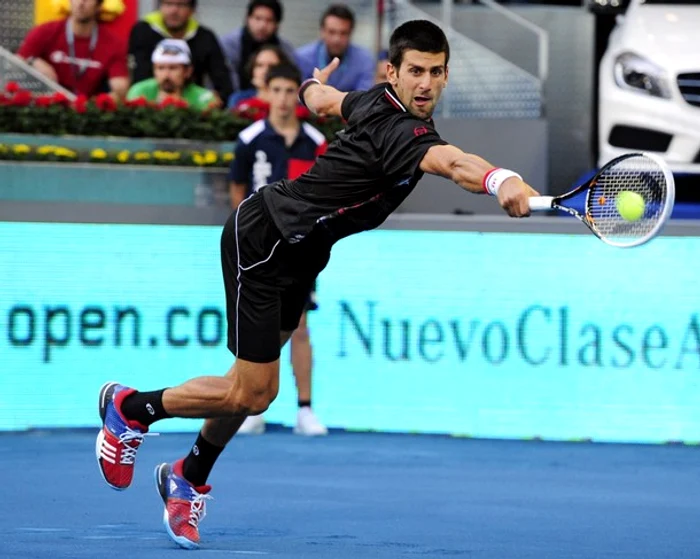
(361, 495)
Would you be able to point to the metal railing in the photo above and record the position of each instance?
(14, 69)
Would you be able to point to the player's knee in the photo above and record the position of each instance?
(254, 401)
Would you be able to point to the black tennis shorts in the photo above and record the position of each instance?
(267, 280)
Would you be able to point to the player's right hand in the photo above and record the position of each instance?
(323, 75)
(513, 197)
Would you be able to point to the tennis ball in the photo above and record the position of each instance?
(630, 205)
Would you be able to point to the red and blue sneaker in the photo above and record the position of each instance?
(119, 438)
(185, 504)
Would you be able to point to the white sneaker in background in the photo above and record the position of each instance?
(253, 425)
(308, 424)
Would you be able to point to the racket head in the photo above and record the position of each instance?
(595, 202)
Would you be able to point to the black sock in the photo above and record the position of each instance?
(200, 461)
(305, 403)
(144, 407)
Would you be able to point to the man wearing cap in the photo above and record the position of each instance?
(172, 70)
(175, 20)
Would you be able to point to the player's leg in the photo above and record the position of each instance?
(251, 276)
(182, 484)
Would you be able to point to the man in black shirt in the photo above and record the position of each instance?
(277, 242)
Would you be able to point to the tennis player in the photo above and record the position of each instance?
(279, 239)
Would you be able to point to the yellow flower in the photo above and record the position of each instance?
(210, 157)
(98, 154)
(45, 150)
(142, 156)
(123, 156)
(227, 157)
(65, 152)
(197, 158)
(21, 149)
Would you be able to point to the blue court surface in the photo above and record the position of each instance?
(354, 495)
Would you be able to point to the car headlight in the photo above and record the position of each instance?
(638, 74)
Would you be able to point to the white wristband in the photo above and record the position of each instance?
(495, 177)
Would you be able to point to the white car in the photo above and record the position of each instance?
(649, 96)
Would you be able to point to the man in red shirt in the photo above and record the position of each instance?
(79, 53)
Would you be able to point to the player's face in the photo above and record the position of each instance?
(262, 24)
(419, 81)
(335, 34)
(282, 94)
(176, 13)
(84, 10)
(171, 78)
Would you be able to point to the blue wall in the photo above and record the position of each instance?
(489, 335)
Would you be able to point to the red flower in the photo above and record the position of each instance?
(174, 102)
(21, 99)
(12, 87)
(59, 98)
(105, 102)
(138, 102)
(80, 104)
(43, 101)
(303, 113)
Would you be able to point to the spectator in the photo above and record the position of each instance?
(175, 20)
(256, 70)
(272, 149)
(172, 69)
(261, 26)
(357, 65)
(79, 53)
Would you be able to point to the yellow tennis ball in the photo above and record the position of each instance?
(630, 205)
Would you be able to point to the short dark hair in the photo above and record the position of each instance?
(250, 64)
(273, 5)
(419, 34)
(286, 71)
(340, 11)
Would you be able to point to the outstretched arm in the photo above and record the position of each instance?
(471, 171)
(319, 98)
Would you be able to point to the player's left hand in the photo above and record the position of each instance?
(323, 75)
(513, 197)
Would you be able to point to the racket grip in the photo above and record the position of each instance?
(541, 203)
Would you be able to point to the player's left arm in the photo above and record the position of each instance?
(471, 171)
(319, 98)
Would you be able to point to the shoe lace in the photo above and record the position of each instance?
(198, 507)
(128, 455)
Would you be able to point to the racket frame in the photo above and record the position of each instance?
(544, 203)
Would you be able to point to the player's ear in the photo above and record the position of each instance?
(392, 74)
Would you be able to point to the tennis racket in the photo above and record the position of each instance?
(642, 178)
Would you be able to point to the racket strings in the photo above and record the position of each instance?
(639, 175)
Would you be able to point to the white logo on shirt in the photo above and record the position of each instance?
(60, 57)
(262, 170)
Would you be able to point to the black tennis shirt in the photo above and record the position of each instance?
(367, 171)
